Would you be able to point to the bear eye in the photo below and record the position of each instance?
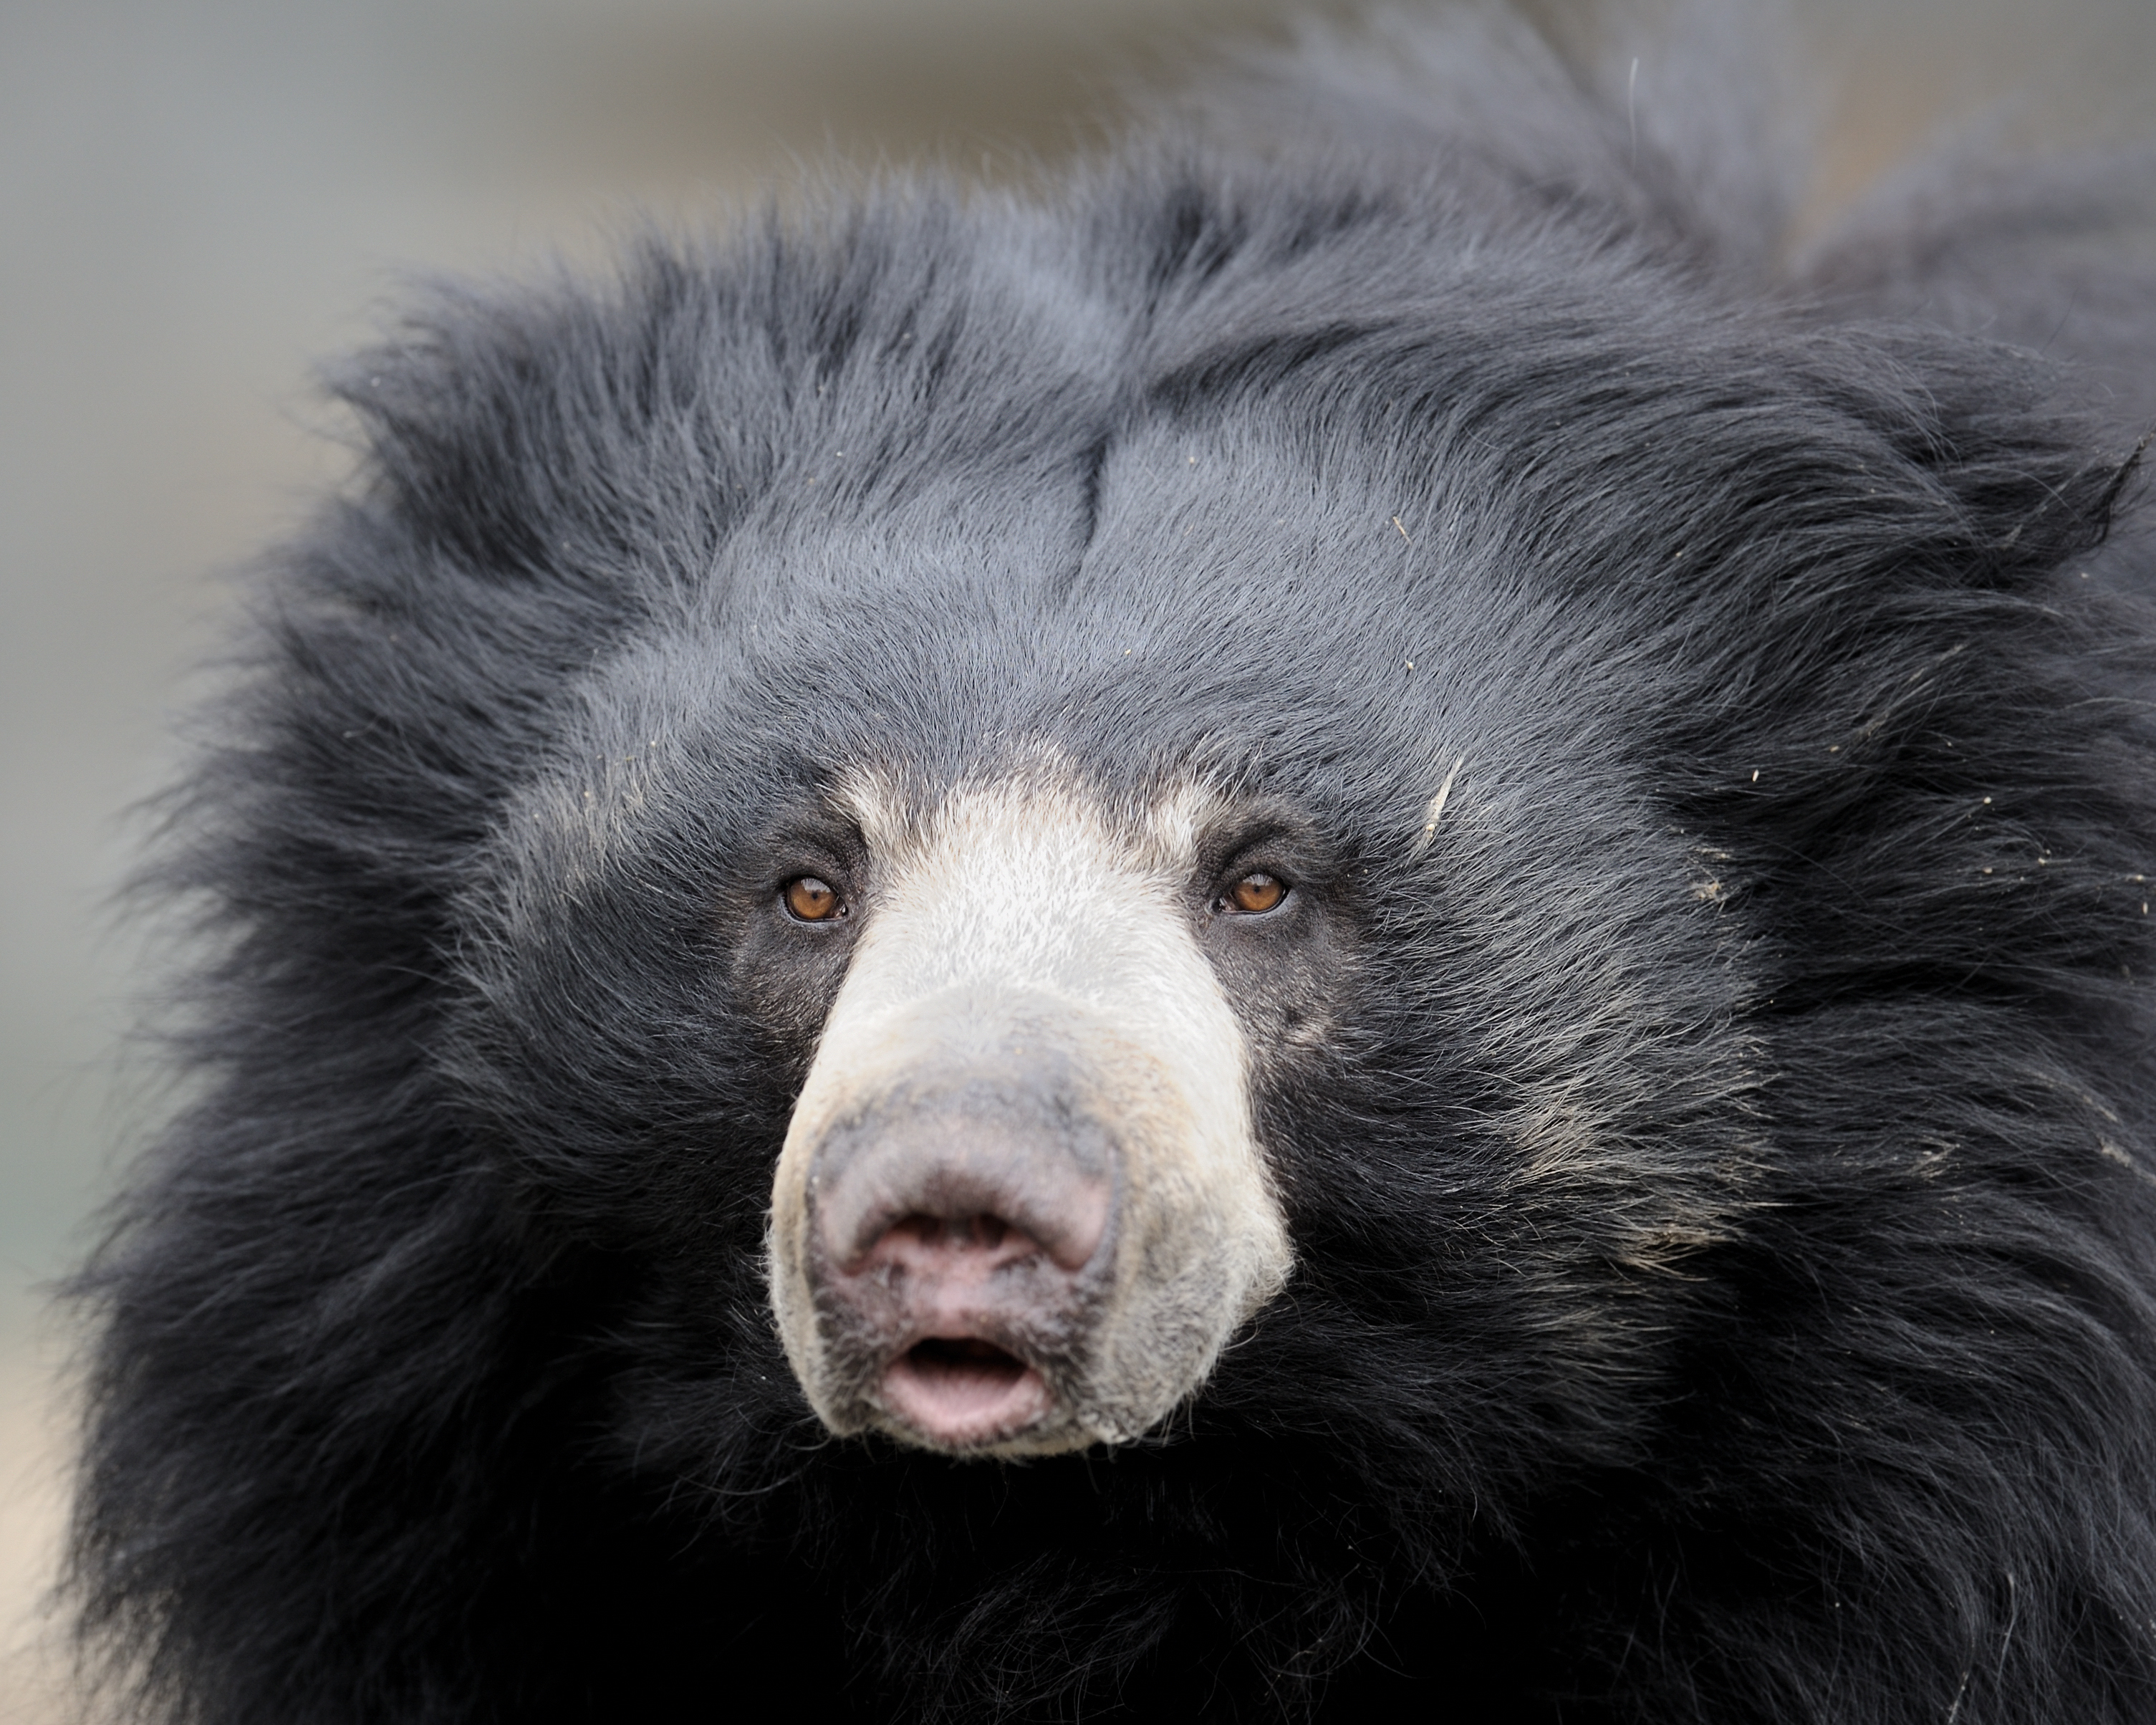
(1256, 893)
(809, 899)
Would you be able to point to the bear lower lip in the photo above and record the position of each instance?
(957, 1391)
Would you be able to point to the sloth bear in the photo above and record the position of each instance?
(1350, 920)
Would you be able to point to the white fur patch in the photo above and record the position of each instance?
(1028, 891)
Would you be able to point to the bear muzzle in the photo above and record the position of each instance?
(960, 1245)
(1020, 1207)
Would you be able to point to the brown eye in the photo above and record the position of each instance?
(808, 900)
(1258, 892)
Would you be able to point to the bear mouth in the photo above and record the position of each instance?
(957, 1392)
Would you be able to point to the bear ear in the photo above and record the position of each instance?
(2124, 500)
(2053, 256)
(2031, 519)
(2033, 480)
(561, 431)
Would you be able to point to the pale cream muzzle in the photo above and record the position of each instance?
(1019, 1209)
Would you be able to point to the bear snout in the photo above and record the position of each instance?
(959, 1255)
(1020, 1208)
(933, 1190)
(958, 1243)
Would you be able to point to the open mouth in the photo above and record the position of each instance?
(959, 1390)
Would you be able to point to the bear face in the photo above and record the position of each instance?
(1028, 834)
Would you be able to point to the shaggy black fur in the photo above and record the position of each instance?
(1725, 1193)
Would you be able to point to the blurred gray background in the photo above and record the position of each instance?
(197, 201)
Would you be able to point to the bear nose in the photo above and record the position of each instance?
(935, 1198)
(957, 1245)
(952, 1247)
